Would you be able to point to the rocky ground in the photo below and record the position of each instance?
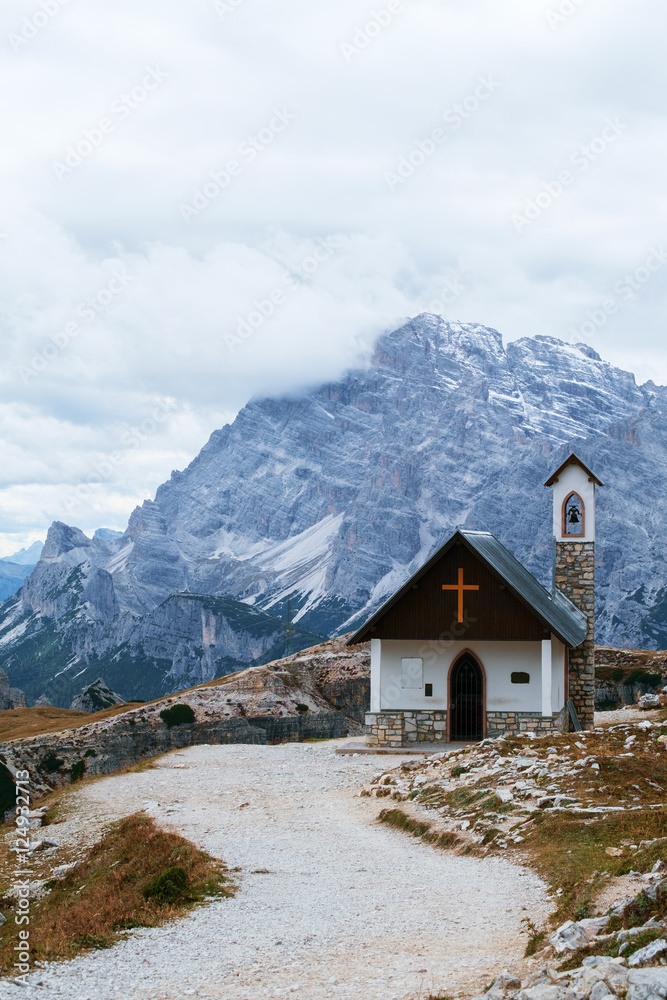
(588, 811)
(332, 904)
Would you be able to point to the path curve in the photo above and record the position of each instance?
(349, 909)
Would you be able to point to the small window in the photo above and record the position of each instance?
(412, 672)
(573, 515)
(428, 690)
(520, 677)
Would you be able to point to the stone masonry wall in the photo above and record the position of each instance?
(575, 577)
(499, 723)
(386, 729)
(425, 727)
(121, 742)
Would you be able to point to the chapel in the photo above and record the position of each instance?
(472, 645)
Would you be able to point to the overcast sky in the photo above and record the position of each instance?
(166, 166)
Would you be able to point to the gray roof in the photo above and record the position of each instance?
(564, 618)
(556, 611)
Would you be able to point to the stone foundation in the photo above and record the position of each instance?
(385, 729)
(425, 727)
(499, 723)
(398, 729)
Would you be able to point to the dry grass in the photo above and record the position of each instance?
(19, 723)
(570, 853)
(401, 821)
(104, 895)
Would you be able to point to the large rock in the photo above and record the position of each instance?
(649, 701)
(95, 697)
(648, 954)
(570, 936)
(647, 984)
(10, 697)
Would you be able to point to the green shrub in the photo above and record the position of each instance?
(177, 715)
(51, 763)
(77, 771)
(302, 708)
(90, 752)
(640, 676)
(169, 886)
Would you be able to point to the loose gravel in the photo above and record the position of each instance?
(331, 904)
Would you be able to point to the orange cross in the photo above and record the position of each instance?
(460, 586)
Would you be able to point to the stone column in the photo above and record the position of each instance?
(575, 577)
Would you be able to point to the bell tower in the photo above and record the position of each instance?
(574, 570)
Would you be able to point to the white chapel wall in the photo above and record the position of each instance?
(499, 659)
(557, 674)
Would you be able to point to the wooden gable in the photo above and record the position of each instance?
(425, 611)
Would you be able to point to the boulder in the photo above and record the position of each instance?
(10, 697)
(648, 954)
(645, 983)
(43, 702)
(95, 697)
(648, 701)
(17, 698)
(569, 937)
(505, 982)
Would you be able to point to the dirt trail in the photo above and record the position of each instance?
(345, 907)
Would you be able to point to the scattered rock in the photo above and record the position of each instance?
(648, 702)
(570, 936)
(647, 954)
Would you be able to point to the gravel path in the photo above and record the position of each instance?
(348, 909)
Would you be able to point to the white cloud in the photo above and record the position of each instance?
(171, 296)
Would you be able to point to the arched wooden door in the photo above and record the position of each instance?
(466, 699)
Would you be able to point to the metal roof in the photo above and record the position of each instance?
(557, 612)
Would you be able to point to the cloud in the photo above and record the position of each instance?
(278, 127)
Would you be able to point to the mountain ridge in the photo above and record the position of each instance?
(331, 498)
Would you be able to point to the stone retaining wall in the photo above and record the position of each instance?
(114, 744)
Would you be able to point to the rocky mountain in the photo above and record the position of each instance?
(330, 498)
